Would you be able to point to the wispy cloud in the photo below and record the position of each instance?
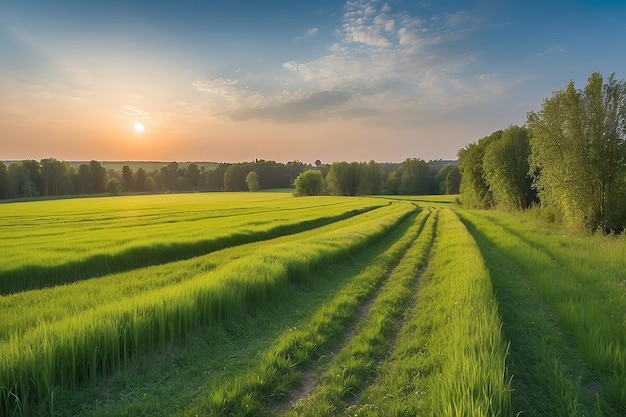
(312, 31)
(552, 50)
(384, 61)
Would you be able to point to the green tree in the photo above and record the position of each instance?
(34, 173)
(139, 180)
(578, 150)
(475, 192)
(193, 177)
(371, 178)
(98, 176)
(252, 181)
(440, 179)
(55, 177)
(392, 183)
(343, 178)
(150, 184)
(310, 182)
(83, 179)
(128, 182)
(453, 181)
(113, 186)
(415, 177)
(235, 177)
(506, 169)
(215, 178)
(3, 180)
(19, 183)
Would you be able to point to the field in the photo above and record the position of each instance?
(263, 304)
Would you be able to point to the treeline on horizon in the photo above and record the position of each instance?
(50, 178)
(569, 160)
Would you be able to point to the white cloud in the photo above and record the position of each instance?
(312, 31)
(385, 61)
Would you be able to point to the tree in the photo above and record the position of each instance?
(310, 182)
(215, 178)
(440, 179)
(55, 177)
(475, 192)
(453, 181)
(83, 179)
(371, 178)
(413, 177)
(98, 176)
(113, 186)
(578, 150)
(193, 176)
(3, 180)
(235, 177)
(19, 183)
(506, 169)
(343, 178)
(139, 180)
(150, 184)
(128, 182)
(252, 181)
(34, 173)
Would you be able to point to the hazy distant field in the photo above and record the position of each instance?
(268, 304)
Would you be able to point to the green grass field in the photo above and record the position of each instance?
(264, 304)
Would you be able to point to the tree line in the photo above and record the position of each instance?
(51, 177)
(569, 159)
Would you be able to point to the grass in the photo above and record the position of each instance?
(354, 366)
(69, 240)
(280, 368)
(264, 304)
(583, 310)
(449, 359)
(80, 347)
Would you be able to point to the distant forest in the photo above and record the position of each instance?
(52, 178)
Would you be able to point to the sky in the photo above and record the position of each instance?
(238, 80)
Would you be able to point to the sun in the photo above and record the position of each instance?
(139, 127)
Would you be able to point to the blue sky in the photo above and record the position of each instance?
(234, 80)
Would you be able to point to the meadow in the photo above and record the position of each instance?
(264, 304)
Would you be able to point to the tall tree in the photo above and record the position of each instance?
(55, 177)
(371, 178)
(252, 181)
(235, 177)
(34, 173)
(578, 149)
(453, 181)
(343, 178)
(3, 180)
(128, 182)
(475, 192)
(415, 177)
(139, 180)
(506, 169)
(98, 176)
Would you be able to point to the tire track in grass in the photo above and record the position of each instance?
(280, 368)
(599, 338)
(367, 342)
(449, 356)
(544, 367)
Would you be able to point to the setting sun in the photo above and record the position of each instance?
(139, 128)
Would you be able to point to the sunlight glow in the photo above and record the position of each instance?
(139, 127)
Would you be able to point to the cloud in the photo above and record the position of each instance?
(384, 61)
(552, 50)
(312, 31)
(308, 107)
